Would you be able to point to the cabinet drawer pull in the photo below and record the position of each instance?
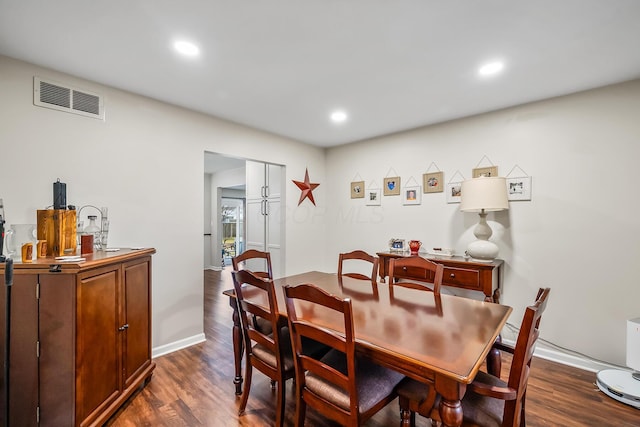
(123, 327)
(452, 275)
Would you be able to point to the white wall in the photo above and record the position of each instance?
(145, 162)
(579, 234)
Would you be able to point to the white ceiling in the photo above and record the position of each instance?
(284, 65)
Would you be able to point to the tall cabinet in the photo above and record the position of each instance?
(265, 216)
(80, 338)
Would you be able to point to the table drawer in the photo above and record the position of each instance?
(414, 273)
(462, 278)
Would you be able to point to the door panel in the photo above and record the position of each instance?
(23, 362)
(137, 309)
(99, 374)
(57, 349)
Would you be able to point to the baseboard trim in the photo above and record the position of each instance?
(576, 361)
(177, 345)
(214, 268)
(542, 351)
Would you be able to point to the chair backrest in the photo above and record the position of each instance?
(251, 260)
(256, 296)
(522, 355)
(362, 256)
(304, 327)
(420, 270)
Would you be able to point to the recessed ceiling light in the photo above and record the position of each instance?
(338, 116)
(186, 48)
(491, 68)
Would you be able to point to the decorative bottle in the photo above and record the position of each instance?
(94, 229)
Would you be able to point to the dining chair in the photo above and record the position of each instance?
(489, 401)
(342, 386)
(425, 274)
(260, 263)
(251, 258)
(270, 353)
(359, 255)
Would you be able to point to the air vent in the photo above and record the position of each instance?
(65, 98)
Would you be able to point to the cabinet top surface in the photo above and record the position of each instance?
(443, 259)
(92, 260)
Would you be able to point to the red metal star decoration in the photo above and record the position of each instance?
(306, 187)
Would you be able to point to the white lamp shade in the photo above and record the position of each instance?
(488, 193)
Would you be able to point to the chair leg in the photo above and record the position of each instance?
(280, 403)
(407, 417)
(301, 409)
(523, 422)
(247, 385)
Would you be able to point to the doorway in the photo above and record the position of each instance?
(232, 216)
(243, 209)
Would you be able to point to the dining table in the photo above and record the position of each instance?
(440, 340)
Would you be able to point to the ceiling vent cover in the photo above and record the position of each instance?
(65, 98)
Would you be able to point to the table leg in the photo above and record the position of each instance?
(450, 407)
(238, 346)
(494, 360)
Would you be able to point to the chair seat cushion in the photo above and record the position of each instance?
(413, 390)
(478, 410)
(310, 347)
(482, 410)
(267, 356)
(373, 382)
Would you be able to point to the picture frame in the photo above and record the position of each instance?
(396, 245)
(519, 188)
(392, 186)
(357, 190)
(372, 197)
(433, 182)
(485, 171)
(412, 195)
(453, 191)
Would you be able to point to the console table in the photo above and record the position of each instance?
(460, 273)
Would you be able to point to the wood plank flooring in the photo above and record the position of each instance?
(194, 387)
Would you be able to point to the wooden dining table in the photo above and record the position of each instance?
(441, 340)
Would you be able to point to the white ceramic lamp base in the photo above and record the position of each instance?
(482, 249)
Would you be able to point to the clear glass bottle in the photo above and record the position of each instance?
(94, 229)
(104, 237)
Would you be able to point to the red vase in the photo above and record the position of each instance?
(414, 246)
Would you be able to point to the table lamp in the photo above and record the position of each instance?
(482, 195)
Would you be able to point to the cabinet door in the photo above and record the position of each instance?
(57, 349)
(23, 362)
(137, 309)
(98, 363)
(255, 219)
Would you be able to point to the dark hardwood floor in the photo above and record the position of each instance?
(194, 387)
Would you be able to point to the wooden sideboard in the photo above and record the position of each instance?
(80, 338)
(458, 273)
